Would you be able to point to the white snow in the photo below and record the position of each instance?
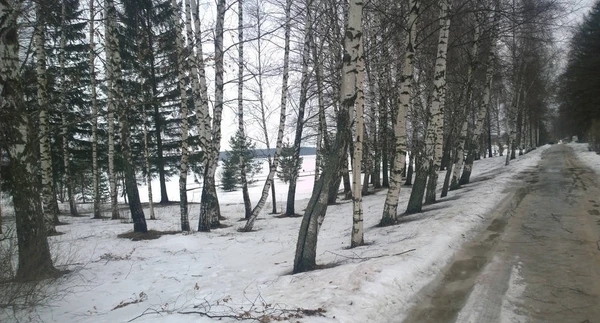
(514, 294)
(225, 272)
(590, 158)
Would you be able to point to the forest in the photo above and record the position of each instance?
(99, 97)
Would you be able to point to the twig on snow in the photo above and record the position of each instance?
(373, 257)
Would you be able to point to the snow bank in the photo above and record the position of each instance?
(225, 272)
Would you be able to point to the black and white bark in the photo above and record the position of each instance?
(435, 127)
(183, 101)
(111, 100)
(357, 236)
(64, 86)
(209, 208)
(483, 109)
(462, 137)
(48, 195)
(240, 112)
(304, 84)
(94, 102)
(282, 116)
(147, 162)
(18, 133)
(306, 247)
(390, 208)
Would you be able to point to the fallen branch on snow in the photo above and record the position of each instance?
(355, 257)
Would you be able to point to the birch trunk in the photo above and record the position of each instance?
(243, 179)
(357, 236)
(483, 109)
(63, 103)
(112, 174)
(306, 248)
(282, 116)
(435, 129)
(92, 67)
(462, 138)
(390, 208)
(48, 195)
(147, 163)
(322, 136)
(199, 87)
(209, 210)
(135, 206)
(304, 84)
(183, 101)
(35, 261)
(371, 138)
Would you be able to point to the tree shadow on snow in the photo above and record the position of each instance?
(150, 235)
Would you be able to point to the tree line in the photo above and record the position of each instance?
(98, 95)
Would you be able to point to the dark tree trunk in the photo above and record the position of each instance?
(449, 165)
(385, 169)
(334, 188)
(376, 176)
(489, 134)
(365, 185)
(133, 196)
(35, 261)
(245, 193)
(290, 205)
(431, 184)
(273, 198)
(415, 202)
(160, 161)
(209, 203)
(306, 247)
(466, 174)
(409, 170)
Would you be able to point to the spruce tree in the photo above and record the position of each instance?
(581, 80)
(288, 165)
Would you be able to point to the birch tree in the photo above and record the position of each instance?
(304, 84)
(282, 116)
(209, 207)
(357, 236)
(483, 109)
(67, 177)
(462, 138)
(111, 101)
(240, 112)
(94, 103)
(306, 248)
(147, 160)
(48, 195)
(390, 208)
(135, 206)
(183, 101)
(18, 134)
(435, 128)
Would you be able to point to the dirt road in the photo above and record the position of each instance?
(537, 261)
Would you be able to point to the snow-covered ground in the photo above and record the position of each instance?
(226, 272)
(590, 158)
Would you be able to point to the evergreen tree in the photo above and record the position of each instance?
(229, 180)
(149, 61)
(581, 80)
(241, 147)
(288, 165)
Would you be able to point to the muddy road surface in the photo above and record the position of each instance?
(538, 260)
